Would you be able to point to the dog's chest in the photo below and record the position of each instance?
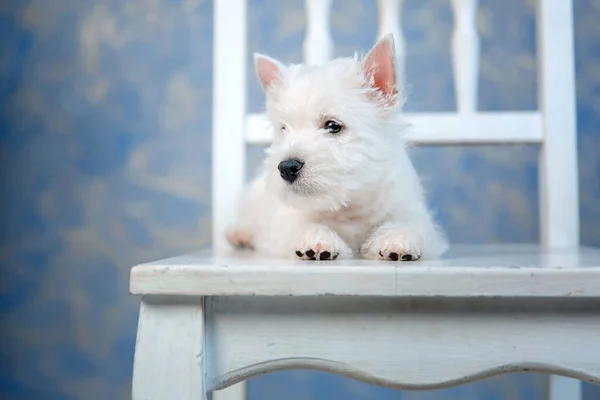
(352, 226)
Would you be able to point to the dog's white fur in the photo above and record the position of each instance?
(357, 192)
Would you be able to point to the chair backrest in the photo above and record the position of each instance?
(552, 126)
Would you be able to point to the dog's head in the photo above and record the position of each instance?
(330, 126)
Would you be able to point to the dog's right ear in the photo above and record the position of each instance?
(269, 71)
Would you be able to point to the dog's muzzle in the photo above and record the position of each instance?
(289, 169)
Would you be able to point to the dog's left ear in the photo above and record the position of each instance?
(269, 71)
(379, 66)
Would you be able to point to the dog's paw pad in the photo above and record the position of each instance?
(322, 255)
(320, 251)
(395, 256)
(240, 238)
(318, 254)
(323, 244)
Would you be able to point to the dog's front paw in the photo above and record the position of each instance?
(321, 243)
(398, 244)
(399, 252)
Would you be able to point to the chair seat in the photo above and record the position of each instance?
(506, 270)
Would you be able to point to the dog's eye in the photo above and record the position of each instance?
(332, 126)
(282, 128)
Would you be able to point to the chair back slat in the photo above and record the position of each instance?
(390, 17)
(465, 55)
(318, 44)
(432, 128)
(559, 189)
(228, 113)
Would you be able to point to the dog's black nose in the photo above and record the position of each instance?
(289, 169)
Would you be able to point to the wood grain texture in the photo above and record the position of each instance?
(402, 343)
(466, 271)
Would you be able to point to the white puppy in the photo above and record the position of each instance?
(337, 180)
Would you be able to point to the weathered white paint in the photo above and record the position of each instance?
(559, 191)
(444, 128)
(169, 358)
(466, 271)
(390, 21)
(424, 343)
(465, 55)
(318, 45)
(229, 109)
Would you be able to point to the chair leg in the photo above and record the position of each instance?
(562, 388)
(169, 356)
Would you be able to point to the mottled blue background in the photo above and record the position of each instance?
(105, 136)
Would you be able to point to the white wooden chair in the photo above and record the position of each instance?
(209, 320)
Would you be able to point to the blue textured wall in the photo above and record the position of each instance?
(105, 162)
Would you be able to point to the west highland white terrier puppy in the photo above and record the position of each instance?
(337, 181)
